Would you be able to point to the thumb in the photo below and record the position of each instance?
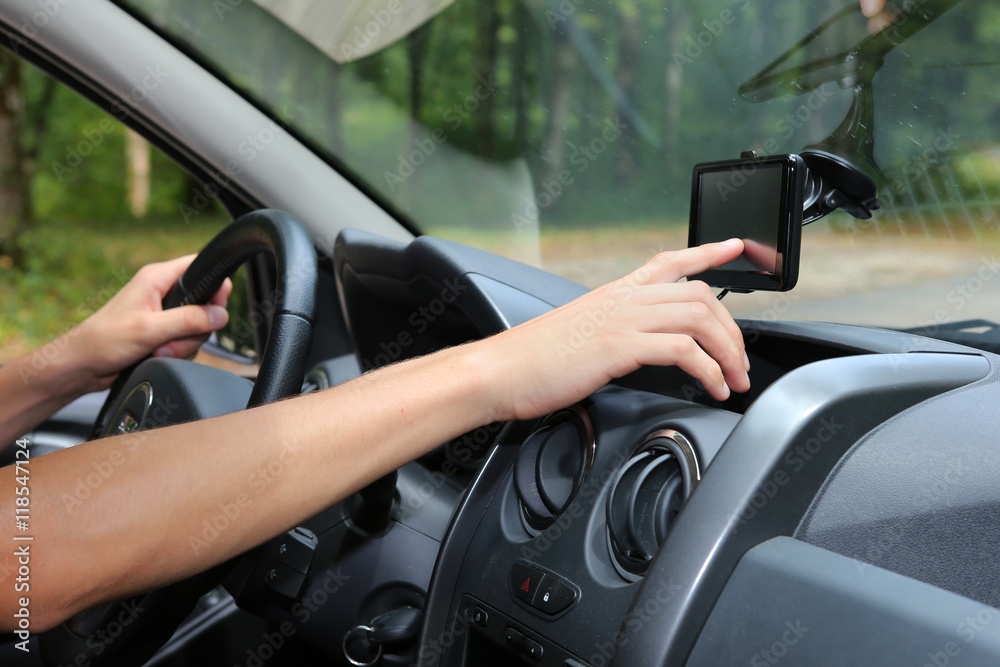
(187, 321)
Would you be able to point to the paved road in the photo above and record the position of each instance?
(942, 300)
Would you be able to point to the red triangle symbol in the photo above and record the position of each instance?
(526, 585)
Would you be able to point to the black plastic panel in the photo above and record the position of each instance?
(490, 292)
(766, 476)
(921, 496)
(792, 603)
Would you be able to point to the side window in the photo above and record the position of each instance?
(84, 203)
(237, 341)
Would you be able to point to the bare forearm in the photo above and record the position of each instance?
(142, 525)
(33, 388)
(118, 516)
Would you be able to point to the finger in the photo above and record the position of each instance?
(672, 266)
(221, 297)
(872, 7)
(689, 292)
(184, 348)
(184, 322)
(163, 275)
(682, 351)
(698, 321)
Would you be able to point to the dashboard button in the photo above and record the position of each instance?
(532, 649)
(296, 549)
(524, 581)
(553, 596)
(284, 580)
(480, 617)
(522, 644)
(514, 639)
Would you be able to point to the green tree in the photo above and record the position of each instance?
(23, 122)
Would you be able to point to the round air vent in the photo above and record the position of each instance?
(645, 497)
(551, 466)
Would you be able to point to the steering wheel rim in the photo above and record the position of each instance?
(129, 632)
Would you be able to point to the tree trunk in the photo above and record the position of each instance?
(16, 215)
(628, 61)
(489, 22)
(416, 48)
(519, 71)
(137, 160)
(676, 29)
(560, 97)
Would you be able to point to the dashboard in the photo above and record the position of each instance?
(650, 524)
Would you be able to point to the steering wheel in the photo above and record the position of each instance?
(129, 632)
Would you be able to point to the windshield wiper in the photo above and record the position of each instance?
(852, 60)
(860, 58)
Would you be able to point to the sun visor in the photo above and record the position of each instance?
(349, 30)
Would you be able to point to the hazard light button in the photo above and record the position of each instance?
(524, 580)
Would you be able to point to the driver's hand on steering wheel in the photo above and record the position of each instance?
(132, 325)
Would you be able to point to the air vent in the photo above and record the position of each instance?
(645, 497)
(551, 466)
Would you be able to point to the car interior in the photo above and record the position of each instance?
(846, 510)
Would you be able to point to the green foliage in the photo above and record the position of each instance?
(74, 267)
(81, 166)
(86, 244)
(463, 124)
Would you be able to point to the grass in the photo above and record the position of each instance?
(74, 267)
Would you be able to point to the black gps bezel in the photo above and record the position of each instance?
(789, 229)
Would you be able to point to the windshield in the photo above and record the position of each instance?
(563, 132)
